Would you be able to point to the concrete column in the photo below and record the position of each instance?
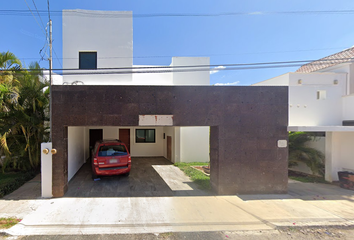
(331, 156)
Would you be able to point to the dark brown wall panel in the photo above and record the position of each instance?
(246, 123)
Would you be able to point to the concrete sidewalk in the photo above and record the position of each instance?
(307, 204)
(171, 214)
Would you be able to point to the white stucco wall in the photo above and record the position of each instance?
(192, 77)
(282, 80)
(339, 154)
(348, 107)
(346, 151)
(194, 144)
(76, 150)
(347, 68)
(304, 107)
(351, 79)
(110, 37)
(56, 78)
(151, 78)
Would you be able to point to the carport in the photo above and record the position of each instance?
(149, 177)
(248, 127)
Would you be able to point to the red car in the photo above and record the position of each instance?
(110, 157)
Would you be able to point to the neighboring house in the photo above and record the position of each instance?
(321, 99)
(93, 40)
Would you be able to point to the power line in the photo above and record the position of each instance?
(152, 15)
(56, 56)
(38, 14)
(35, 18)
(192, 68)
(209, 55)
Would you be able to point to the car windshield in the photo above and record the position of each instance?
(112, 150)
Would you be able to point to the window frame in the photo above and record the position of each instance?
(145, 129)
(83, 52)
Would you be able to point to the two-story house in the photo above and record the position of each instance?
(170, 111)
(98, 47)
(321, 99)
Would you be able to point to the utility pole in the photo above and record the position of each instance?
(50, 79)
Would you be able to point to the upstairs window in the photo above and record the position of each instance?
(145, 135)
(87, 60)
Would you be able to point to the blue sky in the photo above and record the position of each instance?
(248, 38)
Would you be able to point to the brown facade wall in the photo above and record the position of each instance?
(246, 123)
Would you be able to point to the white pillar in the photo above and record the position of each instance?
(332, 156)
(46, 170)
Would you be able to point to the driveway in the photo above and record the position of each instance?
(149, 176)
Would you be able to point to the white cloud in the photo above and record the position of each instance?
(216, 69)
(227, 84)
(255, 13)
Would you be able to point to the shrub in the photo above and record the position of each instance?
(16, 182)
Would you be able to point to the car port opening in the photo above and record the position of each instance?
(153, 152)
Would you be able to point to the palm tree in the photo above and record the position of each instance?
(9, 61)
(22, 126)
(299, 152)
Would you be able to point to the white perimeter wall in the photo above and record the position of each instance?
(76, 149)
(189, 144)
(194, 144)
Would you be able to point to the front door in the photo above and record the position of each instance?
(124, 136)
(95, 135)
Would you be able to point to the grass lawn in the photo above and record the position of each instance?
(8, 222)
(196, 176)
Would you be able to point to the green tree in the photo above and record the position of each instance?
(24, 103)
(9, 63)
(299, 152)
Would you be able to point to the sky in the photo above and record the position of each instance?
(262, 33)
